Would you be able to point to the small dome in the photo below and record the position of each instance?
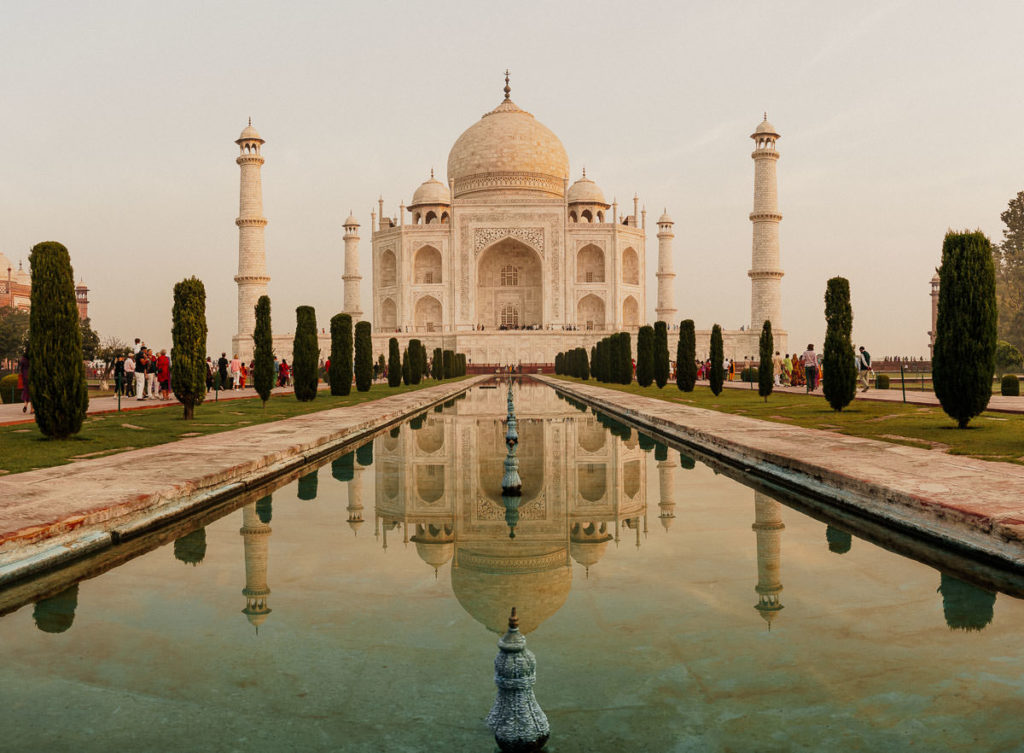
(665, 219)
(434, 553)
(431, 191)
(250, 134)
(351, 221)
(22, 277)
(585, 191)
(764, 127)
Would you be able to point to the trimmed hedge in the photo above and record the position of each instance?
(9, 391)
(1010, 386)
(881, 382)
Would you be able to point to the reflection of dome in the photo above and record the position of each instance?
(534, 579)
(585, 191)
(508, 150)
(432, 191)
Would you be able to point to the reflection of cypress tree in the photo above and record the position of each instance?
(839, 541)
(343, 468)
(264, 509)
(685, 461)
(646, 443)
(967, 607)
(191, 548)
(660, 452)
(417, 423)
(438, 408)
(395, 432)
(55, 615)
(364, 454)
(307, 486)
(449, 403)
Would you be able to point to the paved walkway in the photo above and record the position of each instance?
(998, 403)
(86, 503)
(975, 503)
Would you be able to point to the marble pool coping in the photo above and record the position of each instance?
(54, 515)
(965, 503)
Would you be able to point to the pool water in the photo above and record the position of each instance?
(357, 607)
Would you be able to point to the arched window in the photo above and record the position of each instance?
(444, 218)
(509, 315)
(388, 268)
(586, 216)
(572, 216)
(509, 276)
(430, 219)
(630, 267)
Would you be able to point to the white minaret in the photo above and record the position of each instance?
(252, 276)
(666, 487)
(765, 272)
(666, 310)
(768, 527)
(255, 536)
(352, 277)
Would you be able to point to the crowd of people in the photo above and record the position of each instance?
(791, 369)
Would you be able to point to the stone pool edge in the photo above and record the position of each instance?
(43, 530)
(970, 504)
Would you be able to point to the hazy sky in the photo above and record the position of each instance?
(898, 120)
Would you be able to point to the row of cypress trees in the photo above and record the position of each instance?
(412, 364)
(573, 363)
(612, 362)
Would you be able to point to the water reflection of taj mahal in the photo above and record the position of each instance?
(439, 480)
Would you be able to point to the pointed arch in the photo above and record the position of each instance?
(428, 314)
(388, 268)
(590, 312)
(388, 315)
(427, 266)
(630, 267)
(590, 264)
(429, 482)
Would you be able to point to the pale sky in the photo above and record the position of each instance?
(898, 120)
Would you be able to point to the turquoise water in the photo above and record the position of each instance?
(670, 608)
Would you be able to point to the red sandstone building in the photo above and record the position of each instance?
(16, 288)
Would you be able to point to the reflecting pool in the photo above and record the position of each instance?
(356, 606)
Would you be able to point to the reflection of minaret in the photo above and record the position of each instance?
(355, 500)
(666, 486)
(768, 526)
(256, 537)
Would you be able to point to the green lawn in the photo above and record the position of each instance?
(991, 436)
(23, 448)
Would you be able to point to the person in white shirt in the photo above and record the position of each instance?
(235, 367)
(129, 372)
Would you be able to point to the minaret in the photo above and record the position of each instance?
(765, 272)
(255, 535)
(935, 314)
(352, 277)
(355, 499)
(252, 276)
(768, 526)
(666, 488)
(666, 310)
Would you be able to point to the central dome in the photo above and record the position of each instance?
(508, 151)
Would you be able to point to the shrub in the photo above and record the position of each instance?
(305, 354)
(56, 374)
(9, 391)
(965, 334)
(766, 368)
(1010, 386)
(661, 362)
(1008, 358)
(645, 356)
(394, 363)
(839, 367)
(340, 376)
(686, 356)
(717, 358)
(263, 351)
(751, 374)
(188, 344)
(363, 357)
(881, 382)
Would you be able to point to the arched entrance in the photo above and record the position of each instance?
(510, 281)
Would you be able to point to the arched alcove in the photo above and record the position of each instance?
(590, 264)
(509, 273)
(590, 435)
(591, 481)
(631, 478)
(430, 438)
(388, 315)
(427, 266)
(630, 267)
(428, 314)
(429, 482)
(630, 312)
(590, 312)
(388, 268)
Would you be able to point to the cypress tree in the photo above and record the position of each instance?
(437, 365)
(394, 363)
(963, 360)
(363, 357)
(263, 351)
(717, 359)
(406, 368)
(56, 376)
(645, 356)
(584, 364)
(686, 356)
(839, 367)
(340, 375)
(188, 344)
(625, 359)
(661, 360)
(424, 362)
(415, 367)
(766, 369)
(305, 354)
(613, 359)
(448, 358)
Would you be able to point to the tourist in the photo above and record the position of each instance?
(140, 374)
(151, 374)
(243, 372)
(787, 370)
(209, 373)
(222, 371)
(777, 368)
(236, 369)
(283, 373)
(864, 366)
(23, 383)
(129, 375)
(163, 375)
(809, 359)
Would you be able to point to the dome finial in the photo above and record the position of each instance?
(766, 115)
(250, 120)
(513, 620)
(584, 172)
(431, 173)
(508, 89)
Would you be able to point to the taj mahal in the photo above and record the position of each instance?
(509, 262)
